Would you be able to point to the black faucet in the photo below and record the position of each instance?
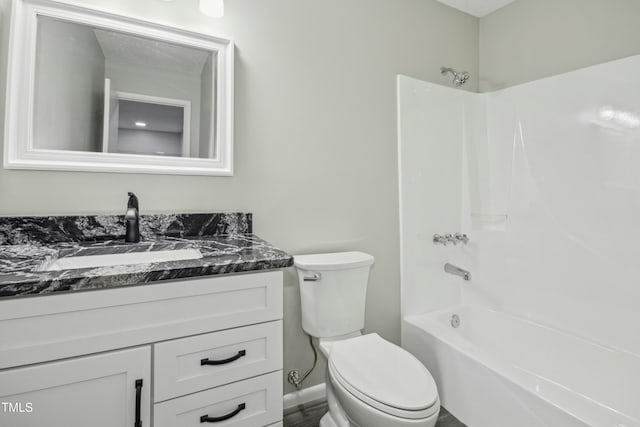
(132, 218)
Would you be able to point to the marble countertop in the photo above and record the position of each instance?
(20, 264)
(22, 260)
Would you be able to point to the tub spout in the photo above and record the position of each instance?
(457, 271)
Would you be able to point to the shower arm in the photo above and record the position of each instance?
(459, 78)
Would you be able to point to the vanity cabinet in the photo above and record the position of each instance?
(206, 349)
(105, 390)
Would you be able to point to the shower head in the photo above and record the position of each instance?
(459, 78)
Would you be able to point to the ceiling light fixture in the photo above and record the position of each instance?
(141, 124)
(212, 8)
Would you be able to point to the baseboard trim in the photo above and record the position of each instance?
(306, 396)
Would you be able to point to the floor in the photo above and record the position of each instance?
(310, 417)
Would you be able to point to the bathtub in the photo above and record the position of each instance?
(499, 370)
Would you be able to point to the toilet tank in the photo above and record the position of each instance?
(333, 291)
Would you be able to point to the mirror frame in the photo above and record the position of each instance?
(19, 152)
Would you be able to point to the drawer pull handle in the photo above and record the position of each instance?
(240, 354)
(138, 422)
(208, 419)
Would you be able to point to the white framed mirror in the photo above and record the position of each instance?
(93, 91)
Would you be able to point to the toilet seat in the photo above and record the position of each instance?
(384, 376)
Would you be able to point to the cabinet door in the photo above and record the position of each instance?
(98, 391)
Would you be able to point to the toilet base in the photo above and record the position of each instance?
(336, 416)
(327, 421)
(339, 417)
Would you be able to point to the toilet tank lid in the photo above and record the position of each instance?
(333, 261)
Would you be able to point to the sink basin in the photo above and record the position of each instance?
(106, 260)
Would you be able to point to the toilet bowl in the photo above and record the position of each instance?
(370, 382)
(379, 384)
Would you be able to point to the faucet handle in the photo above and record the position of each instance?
(461, 238)
(439, 239)
(133, 201)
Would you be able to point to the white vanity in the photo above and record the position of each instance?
(190, 352)
(155, 342)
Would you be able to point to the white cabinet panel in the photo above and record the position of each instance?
(39, 329)
(46, 379)
(249, 403)
(96, 391)
(197, 363)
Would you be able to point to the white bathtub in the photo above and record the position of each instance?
(498, 370)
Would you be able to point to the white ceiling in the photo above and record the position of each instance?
(149, 53)
(477, 8)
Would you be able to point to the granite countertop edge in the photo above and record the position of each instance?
(238, 253)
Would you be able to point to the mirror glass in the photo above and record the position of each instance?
(105, 91)
(90, 90)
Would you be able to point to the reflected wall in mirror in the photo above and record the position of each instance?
(106, 92)
(140, 127)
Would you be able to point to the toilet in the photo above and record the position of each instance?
(370, 382)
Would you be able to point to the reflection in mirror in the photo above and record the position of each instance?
(147, 128)
(105, 91)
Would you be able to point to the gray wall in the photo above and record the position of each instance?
(134, 141)
(532, 39)
(206, 112)
(69, 87)
(5, 13)
(315, 134)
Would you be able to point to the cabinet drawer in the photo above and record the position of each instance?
(188, 365)
(249, 403)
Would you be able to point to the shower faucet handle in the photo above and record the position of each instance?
(463, 238)
(439, 239)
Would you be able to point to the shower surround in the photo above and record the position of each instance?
(543, 177)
